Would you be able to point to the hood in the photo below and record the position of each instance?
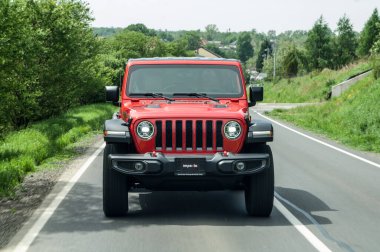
(188, 109)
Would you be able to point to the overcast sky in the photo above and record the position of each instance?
(237, 15)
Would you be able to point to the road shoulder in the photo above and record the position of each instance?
(36, 193)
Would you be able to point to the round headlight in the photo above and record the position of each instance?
(145, 130)
(232, 130)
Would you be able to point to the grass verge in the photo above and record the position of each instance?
(313, 87)
(23, 151)
(352, 119)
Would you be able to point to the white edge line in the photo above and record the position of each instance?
(309, 236)
(29, 237)
(323, 143)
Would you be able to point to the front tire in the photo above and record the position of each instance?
(259, 191)
(115, 186)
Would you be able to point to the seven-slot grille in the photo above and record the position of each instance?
(189, 135)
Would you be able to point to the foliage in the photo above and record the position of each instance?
(369, 34)
(142, 29)
(22, 151)
(266, 50)
(215, 49)
(244, 47)
(193, 40)
(165, 35)
(375, 56)
(350, 118)
(292, 62)
(211, 31)
(345, 43)
(106, 31)
(319, 45)
(48, 60)
(313, 87)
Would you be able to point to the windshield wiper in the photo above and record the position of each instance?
(199, 95)
(154, 95)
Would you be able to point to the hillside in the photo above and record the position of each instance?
(353, 118)
(313, 87)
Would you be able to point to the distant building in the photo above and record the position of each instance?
(203, 52)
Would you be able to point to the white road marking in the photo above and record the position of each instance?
(320, 246)
(321, 142)
(31, 235)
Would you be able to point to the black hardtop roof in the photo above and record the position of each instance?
(183, 58)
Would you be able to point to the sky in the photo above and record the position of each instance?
(237, 15)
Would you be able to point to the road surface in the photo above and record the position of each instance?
(326, 199)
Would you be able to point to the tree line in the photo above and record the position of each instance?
(323, 48)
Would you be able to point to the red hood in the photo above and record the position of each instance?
(187, 109)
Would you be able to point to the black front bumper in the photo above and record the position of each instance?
(218, 164)
(160, 172)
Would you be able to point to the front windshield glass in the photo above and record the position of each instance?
(212, 80)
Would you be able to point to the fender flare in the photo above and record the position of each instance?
(116, 131)
(260, 131)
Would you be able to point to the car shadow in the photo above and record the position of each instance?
(82, 210)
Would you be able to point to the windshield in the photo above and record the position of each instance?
(211, 80)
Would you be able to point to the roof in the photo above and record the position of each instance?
(182, 58)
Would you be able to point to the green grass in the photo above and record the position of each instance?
(23, 151)
(313, 87)
(352, 119)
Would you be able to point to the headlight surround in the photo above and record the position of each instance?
(232, 130)
(145, 130)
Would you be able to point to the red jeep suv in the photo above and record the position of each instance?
(184, 124)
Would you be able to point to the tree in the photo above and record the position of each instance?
(211, 31)
(141, 28)
(177, 48)
(369, 34)
(264, 52)
(292, 62)
(319, 45)
(375, 56)
(345, 43)
(193, 40)
(165, 36)
(244, 47)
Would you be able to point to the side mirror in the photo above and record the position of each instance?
(256, 94)
(112, 94)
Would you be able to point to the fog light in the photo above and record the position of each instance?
(240, 166)
(139, 166)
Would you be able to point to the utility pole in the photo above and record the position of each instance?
(274, 58)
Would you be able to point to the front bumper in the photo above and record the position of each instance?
(218, 164)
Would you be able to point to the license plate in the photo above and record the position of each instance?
(190, 166)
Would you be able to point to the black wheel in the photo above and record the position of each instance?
(115, 186)
(259, 191)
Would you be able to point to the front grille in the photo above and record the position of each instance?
(189, 135)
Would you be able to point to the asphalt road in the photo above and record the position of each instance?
(334, 195)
